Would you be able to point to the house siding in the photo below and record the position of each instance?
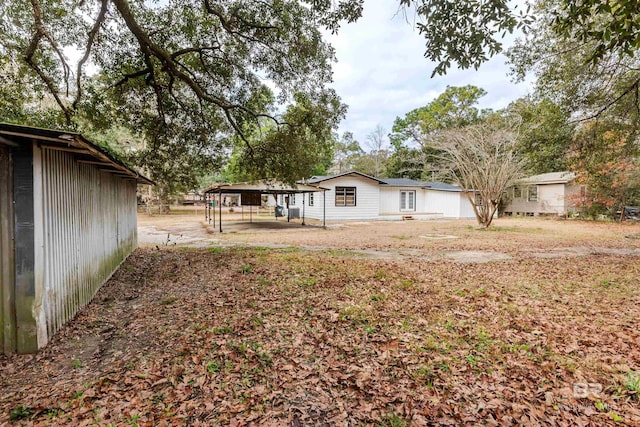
(466, 208)
(445, 203)
(367, 200)
(390, 200)
(382, 201)
(553, 199)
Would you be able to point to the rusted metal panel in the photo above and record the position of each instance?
(7, 279)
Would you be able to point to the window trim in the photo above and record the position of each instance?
(311, 197)
(344, 190)
(519, 192)
(410, 208)
(535, 197)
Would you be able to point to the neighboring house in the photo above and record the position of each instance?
(67, 220)
(546, 194)
(356, 196)
(191, 198)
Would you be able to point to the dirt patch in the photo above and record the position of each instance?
(578, 251)
(475, 256)
(460, 241)
(438, 237)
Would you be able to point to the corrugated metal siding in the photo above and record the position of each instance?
(89, 229)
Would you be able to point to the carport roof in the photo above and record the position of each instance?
(83, 149)
(264, 187)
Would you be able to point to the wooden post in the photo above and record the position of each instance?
(7, 264)
(220, 210)
(303, 204)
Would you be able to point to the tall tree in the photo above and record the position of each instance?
(483, 160)
(584, 71)
(545, 135)
(378, 148)
(165, 70)
(466, 32)
(411, 135)
(347, 151)
(608, 166)
(586, 65)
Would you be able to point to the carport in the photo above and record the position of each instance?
(251, 195)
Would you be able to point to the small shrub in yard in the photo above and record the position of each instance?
(20, 412)
(393, 420)
(632, 384)
(213, 367)
(246, 269)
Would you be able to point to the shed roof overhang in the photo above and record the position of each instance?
(83, 150)
(263, 187)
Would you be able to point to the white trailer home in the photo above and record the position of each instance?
(353, 196)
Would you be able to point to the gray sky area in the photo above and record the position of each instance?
(382, 72)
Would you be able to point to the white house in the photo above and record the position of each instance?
(546, 194)
(356, 196)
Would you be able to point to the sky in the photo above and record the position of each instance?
(382, 73)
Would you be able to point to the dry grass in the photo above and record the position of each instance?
(239, 336)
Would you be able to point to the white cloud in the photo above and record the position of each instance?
(382, 72)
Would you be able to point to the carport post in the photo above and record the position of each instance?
(303, 194)
(220, 209)
(324, 209)
(212, 208)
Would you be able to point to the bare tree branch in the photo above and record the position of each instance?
(87, 52)
(37, 36)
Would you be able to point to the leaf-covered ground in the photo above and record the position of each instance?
(258, 336)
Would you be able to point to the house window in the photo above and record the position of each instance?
(533, 193)
(310, 199)
(517, 192)
(478, 199)
(407, 200)
(292, 199)
(345, 196)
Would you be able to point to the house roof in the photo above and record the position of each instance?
(321, 178)
(402, 182)
(263, 187)
(391, 182)
(549, 178)
(72, 142)
(442, 186)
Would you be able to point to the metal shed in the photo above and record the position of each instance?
(67, 220)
